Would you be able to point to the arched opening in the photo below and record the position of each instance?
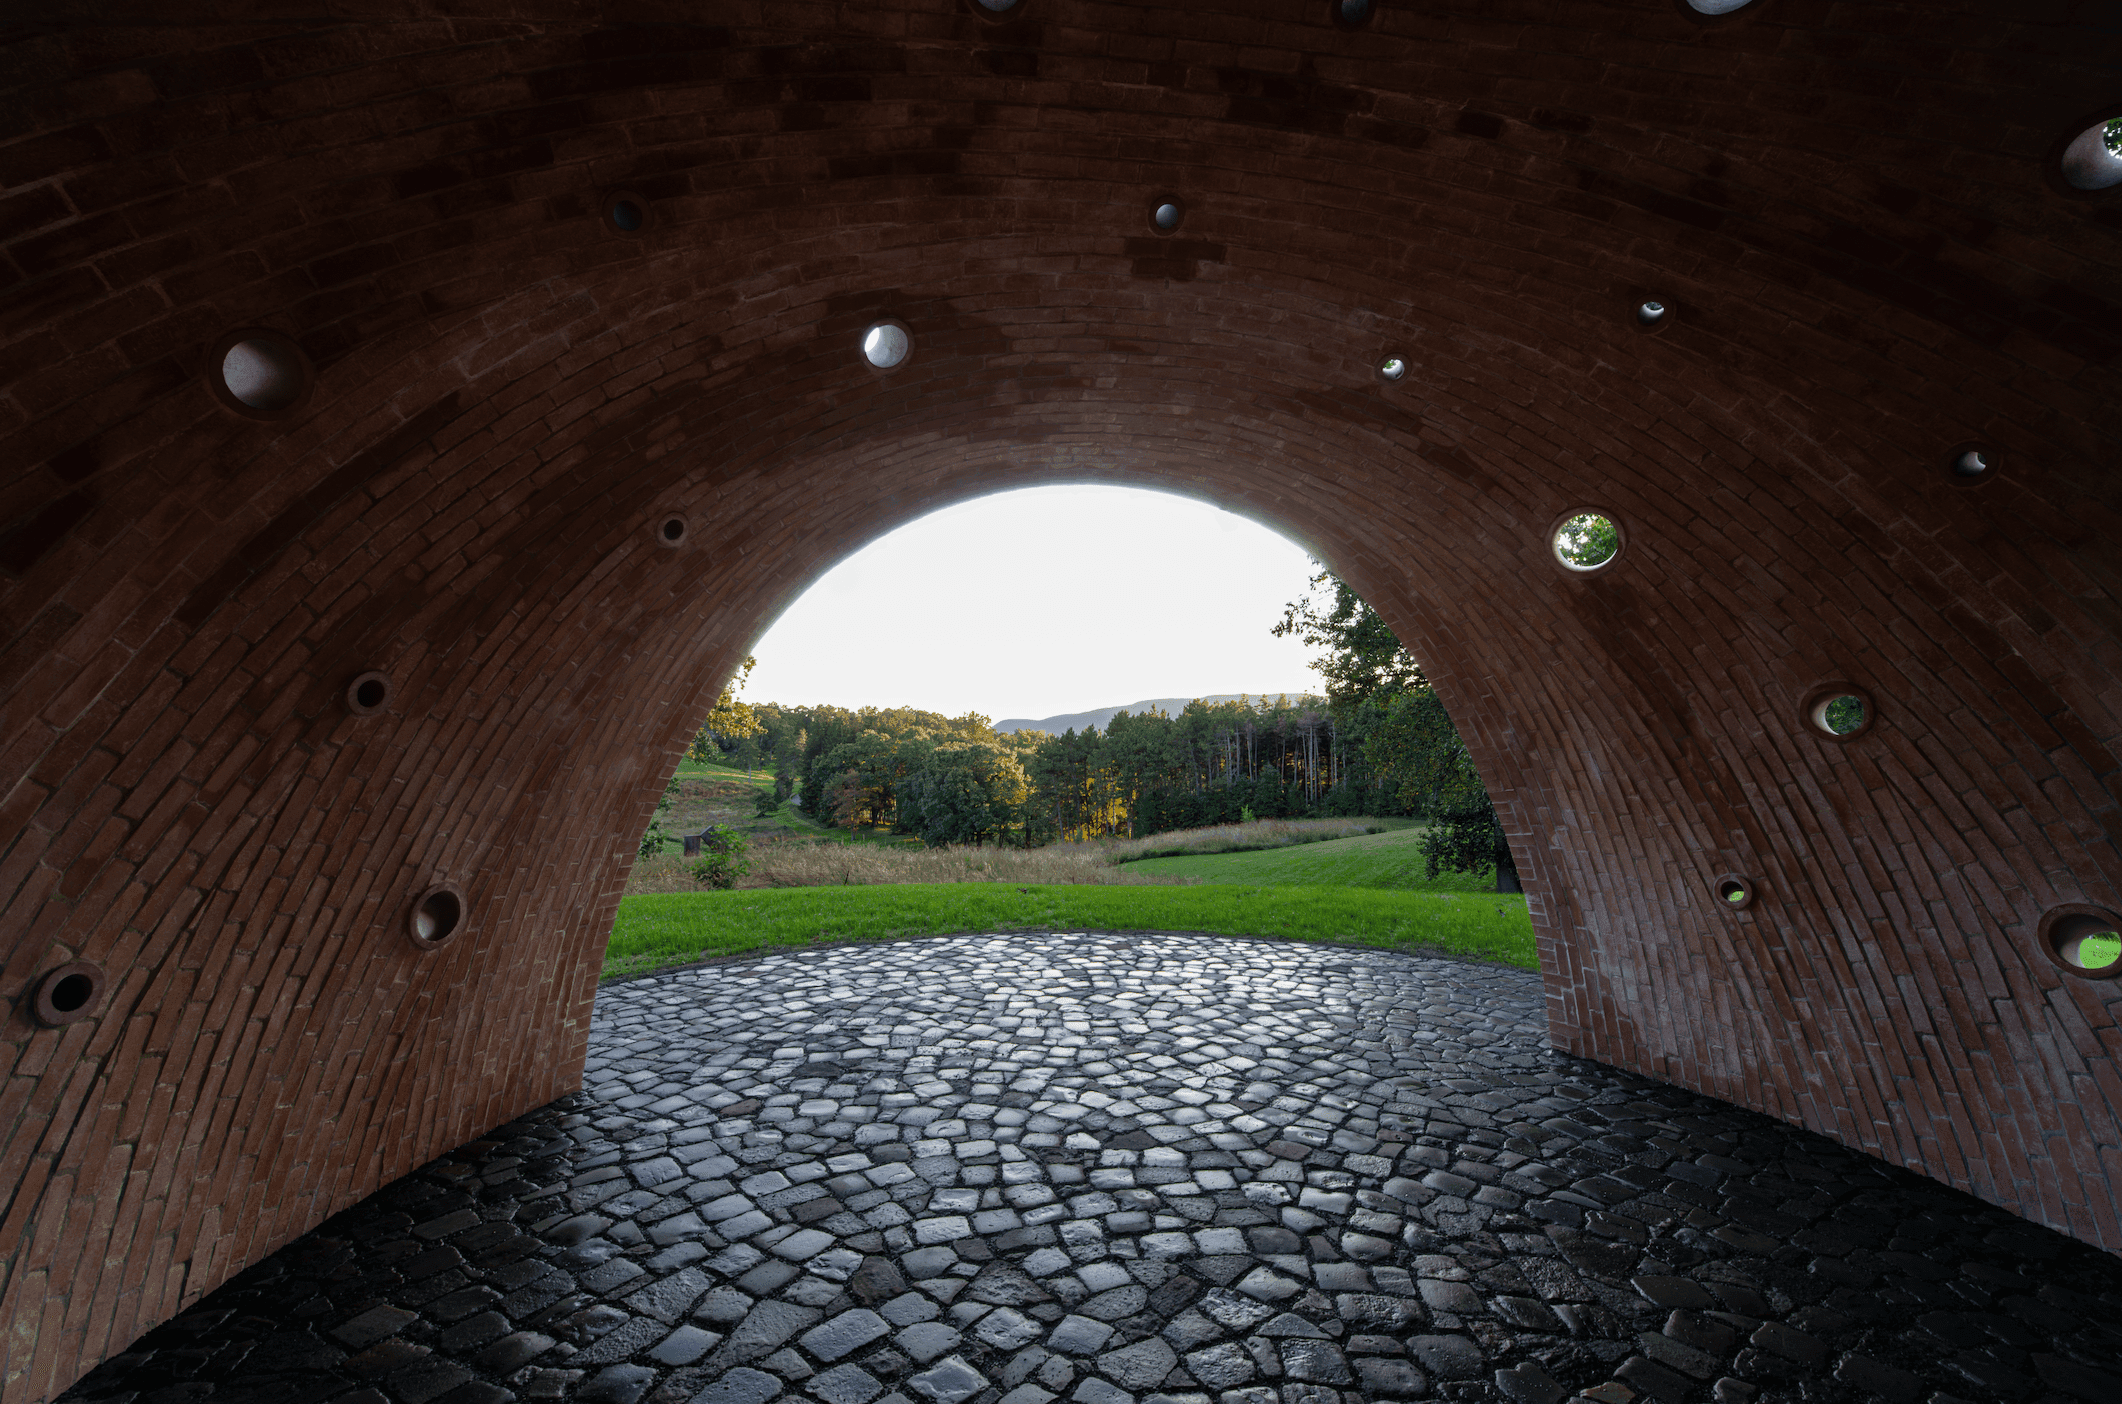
(926, 714)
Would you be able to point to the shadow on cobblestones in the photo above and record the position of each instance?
(1109, 1169)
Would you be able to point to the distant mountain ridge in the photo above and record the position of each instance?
(1103, 717)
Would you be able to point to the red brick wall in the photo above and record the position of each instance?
(1845, 204)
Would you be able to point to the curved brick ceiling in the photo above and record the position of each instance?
(1844, 205)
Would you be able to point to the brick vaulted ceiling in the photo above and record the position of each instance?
(1850, 208)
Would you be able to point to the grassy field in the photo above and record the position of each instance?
(661, 929)
(1389, 860)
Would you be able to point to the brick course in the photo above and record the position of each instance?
(1843, 205)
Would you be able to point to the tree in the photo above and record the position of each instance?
(1416, 749)
(964, 792)
(1363, 656)
(722, 859)
(1379, 698)
(1468, 838)
(1587, 539)
(864, 778)
(657, 836)
(730, 720)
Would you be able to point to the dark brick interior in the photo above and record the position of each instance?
(1848, 207)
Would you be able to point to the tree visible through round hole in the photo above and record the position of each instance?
(263, 375)
(371, 693)
(2088, 943)
(627, 215)
(886, 345)
(438, 916)
(1392, 368)
(71, 993)
(1733, 892)
(1651, 313)
(2093, 161)
(1841, 715)
(1587, 541)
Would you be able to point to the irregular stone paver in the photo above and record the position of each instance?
(1126, 1170)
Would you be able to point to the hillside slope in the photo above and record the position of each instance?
(1103, 716)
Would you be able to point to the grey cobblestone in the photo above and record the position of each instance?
(1136, 1170)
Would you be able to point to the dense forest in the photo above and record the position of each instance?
(1378, 742)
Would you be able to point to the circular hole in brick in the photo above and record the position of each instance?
(1393, 369)
(1586, 541)
(997, 7)
(1841, 714)
(1717, 7)
(626, 212)
(1971, 464)
(1735, 892)
(1165, 216)
(259, 373)
(671, 532)
(2083, 940)
(436, 916)
(368, 694)
(1651, 313)
(1352, 14)
(68, 993)
(2093, 160)
(887, 344)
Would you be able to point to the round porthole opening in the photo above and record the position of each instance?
(1352, 14)
(437, 916)
(2083, 940)
(1840, 712)
(259, 373)
(1586, 541)
(1716, 8)
(996, 7)
(1734, 893)
(671, 532)
(1393, 369)
(1971, 464)
(886, 344)
(1165, 215)
(66, 994)
(1651, 313)
(368, 694)
(2093, 159)
(625, 212)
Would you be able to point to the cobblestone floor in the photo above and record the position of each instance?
(1120, 1170)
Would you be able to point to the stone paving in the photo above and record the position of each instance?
(1128, 1170)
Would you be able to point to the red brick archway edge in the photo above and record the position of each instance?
(485, 389)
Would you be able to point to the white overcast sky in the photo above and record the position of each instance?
(1043, 602)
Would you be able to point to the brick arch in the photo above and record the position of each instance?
(1865, 267)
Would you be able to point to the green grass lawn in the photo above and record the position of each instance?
(1388, 860)
(660, 929)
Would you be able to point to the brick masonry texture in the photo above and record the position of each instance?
(1845, 205)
